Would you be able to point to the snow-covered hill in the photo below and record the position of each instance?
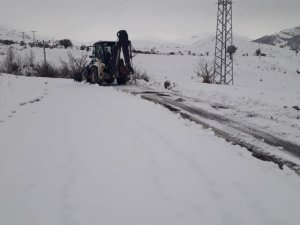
(8, 32)
(22, 52)
(198, 44)
(156, 46)
(289, 37)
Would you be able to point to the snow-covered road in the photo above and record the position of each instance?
(73, 153)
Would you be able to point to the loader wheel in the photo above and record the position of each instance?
(94, 76)
(121, 81)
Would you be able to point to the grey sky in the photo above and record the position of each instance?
(166, 19)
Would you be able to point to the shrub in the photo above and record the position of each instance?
(8, 61)
(258, 52)
(45, 70)
(231, 50)
(29, 64)
(66, 43)
(73, 66)
(7, 42)
(41, 45)
(11, 64)
(204, 69)
(82, 47)
(29, 59)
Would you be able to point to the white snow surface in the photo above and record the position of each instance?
(73, 153)
(264, 93)
(53, 56)
(85, 154)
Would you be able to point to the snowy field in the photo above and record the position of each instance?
(53, 56)
(265, 92)
(73, 153)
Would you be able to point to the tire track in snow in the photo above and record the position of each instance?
(221, 126)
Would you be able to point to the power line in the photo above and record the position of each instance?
(103, 12)
(23, 36)
(44, 52)
(113, 11)
(85, 20)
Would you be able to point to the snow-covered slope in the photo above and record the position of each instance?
(156, 46)
(53, 55)
(10, 33)
(199, 44)
(286, 37)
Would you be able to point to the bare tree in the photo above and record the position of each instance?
(12, 63)
(8, 63)
(29, 63)
(204, 69)
(73, 67)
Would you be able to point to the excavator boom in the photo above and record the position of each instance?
(123, 44)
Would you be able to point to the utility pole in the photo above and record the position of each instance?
(223, 63)
(44, 49)
(23, 36)
(33, 36)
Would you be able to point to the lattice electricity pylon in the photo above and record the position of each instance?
(223, 63)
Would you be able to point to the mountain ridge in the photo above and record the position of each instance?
(285, 38)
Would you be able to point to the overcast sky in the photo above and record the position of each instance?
(166, 19)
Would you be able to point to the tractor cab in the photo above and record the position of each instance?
(103, 51)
